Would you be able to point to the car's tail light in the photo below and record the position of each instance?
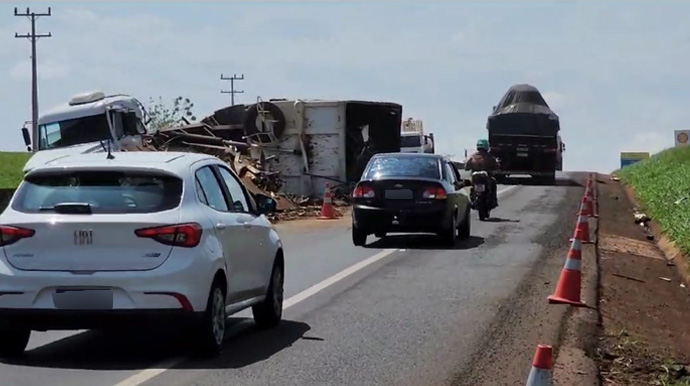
(179, 235)
(363, 191)
(10, 235)
(434, 193)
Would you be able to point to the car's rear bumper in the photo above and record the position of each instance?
(181, 283)
(413, 220)
(81, 319)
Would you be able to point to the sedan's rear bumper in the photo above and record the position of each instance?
(413, 219)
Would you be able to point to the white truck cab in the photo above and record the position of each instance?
(88, 123)
(413, 139)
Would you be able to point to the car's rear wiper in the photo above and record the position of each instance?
(68, 208)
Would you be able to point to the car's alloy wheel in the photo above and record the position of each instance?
(219, 316)
(212, 328)
(13, 341)
(269, 312)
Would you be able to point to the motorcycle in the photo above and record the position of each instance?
(480, 194)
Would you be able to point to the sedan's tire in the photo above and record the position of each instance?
(211, 328)
(13, 341)
(450, 234)
(359, 237)
(465, 229)
(268, 313)
(380, 234)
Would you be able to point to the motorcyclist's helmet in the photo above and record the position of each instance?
(483, 144)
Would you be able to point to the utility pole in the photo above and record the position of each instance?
(33, 37)
(232, 91)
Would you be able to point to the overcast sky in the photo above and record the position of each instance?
(616, 72)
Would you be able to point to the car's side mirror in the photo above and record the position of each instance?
(27, 136)
(265, 204)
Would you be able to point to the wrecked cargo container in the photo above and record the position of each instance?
(311, 142)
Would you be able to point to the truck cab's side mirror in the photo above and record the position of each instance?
(562, 146)
(27, 137)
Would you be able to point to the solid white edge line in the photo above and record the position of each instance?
(336, 278)
(147, 374)
(506, 190)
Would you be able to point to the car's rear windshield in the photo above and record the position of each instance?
(113, 192)
(402, 166)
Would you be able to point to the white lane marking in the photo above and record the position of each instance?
(147, 374)
(336, 278)
(508, 189)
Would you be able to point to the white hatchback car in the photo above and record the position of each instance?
(90, 242)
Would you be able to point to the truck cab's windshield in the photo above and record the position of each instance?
(410, 140)
(73, 132)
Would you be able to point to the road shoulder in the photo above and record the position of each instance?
(643, 338)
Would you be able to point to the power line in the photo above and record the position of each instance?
(33, 37)
(232, 91)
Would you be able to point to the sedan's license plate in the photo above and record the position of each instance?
(398, 194)
(87, 299)
(480, 188)
(522, 154)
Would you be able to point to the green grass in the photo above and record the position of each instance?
(11, 165)
(662, 187)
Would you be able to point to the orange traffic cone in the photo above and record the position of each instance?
(584, 207)
(582, 230)
(327, 212)
(568, 287)
(542, 366)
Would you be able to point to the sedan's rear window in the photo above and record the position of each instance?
(403, 166)
(103, 191)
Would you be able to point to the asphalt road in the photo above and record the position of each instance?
(403, 311)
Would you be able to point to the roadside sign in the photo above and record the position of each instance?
(629, 158)
(682, 137)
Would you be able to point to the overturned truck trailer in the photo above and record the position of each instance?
(306, 143)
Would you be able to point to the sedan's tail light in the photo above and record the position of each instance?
(10, 235)
(434, 192)
(363, 191)
(180, 235)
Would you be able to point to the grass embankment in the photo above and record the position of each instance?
(662, 187)
(11, 165)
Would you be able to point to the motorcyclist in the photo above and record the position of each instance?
(483, 161)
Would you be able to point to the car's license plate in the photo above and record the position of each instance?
(522, 149)
(83, 299)
(480, 188)
(398, 194)
(522, 154)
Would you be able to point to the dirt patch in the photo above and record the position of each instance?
(644, 337)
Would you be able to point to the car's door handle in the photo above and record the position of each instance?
(220, 225)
